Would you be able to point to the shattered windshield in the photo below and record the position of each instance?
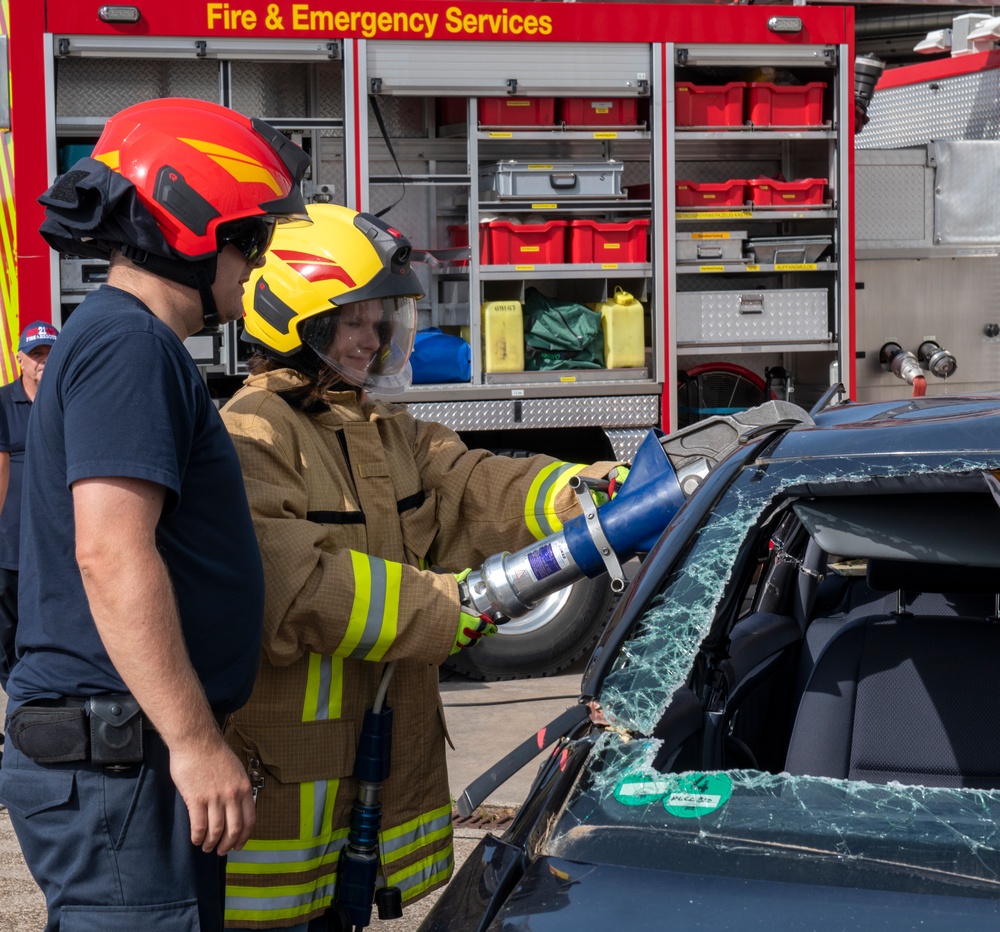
(632, 806)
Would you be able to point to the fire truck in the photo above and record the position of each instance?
(928, 224)
(680, 173)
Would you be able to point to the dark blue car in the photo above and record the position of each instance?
(793, 719)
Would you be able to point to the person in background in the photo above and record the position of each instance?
(16, 400)
(141, 591)
(354, 501)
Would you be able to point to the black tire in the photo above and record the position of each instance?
(557, 632)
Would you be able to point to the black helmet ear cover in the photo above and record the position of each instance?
(91, 211)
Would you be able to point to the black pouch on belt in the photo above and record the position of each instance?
(115, 730)
(49, 734)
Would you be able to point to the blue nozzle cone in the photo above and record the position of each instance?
(636, 517)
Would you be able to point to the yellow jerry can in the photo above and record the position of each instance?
(624, 330)
(503, 336)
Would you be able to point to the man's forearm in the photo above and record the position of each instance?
(133, 605)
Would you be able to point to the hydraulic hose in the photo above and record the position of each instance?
(357, 870)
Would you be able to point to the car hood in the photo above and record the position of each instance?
(556, 894)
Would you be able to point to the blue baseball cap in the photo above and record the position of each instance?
(35, 334)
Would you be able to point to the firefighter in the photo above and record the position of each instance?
(363, 514)
(141, 586)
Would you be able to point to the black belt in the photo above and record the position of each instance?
(103, 730)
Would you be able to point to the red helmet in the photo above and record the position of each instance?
(197, 165)
(170, 183)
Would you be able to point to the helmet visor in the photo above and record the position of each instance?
(251, 236)
(367, 342)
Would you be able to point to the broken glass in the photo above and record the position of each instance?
(746, 822)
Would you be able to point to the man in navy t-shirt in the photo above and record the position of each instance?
(141, 587)
(15, 405)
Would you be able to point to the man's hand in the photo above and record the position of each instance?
(216, 790)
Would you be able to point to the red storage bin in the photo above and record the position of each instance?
(590, 241)
(527, 243)
(785, 105)
(597, 111)
(517, 111)
(766, 192)
(458, 235)
(709, 105)
(730, 193)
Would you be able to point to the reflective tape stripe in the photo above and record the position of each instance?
(371, 628)
(285, 857)
(283, 901)
(322, 702)
(288, 902)
(390, 612)
(401, 840)
(539, 508)
(416, 878)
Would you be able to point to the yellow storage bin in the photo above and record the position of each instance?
(503, 336)
(624, 331)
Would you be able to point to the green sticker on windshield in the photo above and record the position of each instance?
(636, 789)
(694, 795)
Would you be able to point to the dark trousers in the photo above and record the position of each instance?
(112, 851)
(8, 622)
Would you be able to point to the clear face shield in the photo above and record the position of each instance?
(368, 343)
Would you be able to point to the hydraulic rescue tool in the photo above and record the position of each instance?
(666, 471)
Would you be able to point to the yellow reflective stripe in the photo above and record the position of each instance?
(323, 701)
(539, 508)
(311, 700)
(416, 878)
(282, 901)
(371, 628)
(336, 705)
(402, 839)
(261, 904)
(8, 253)
(307, 810)
(390, 612)
(284, 857)
(429, 831)
(361, 604)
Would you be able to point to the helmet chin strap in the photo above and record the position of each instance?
(209, 309)
(198, 275)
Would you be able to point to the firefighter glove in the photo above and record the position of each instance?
(470, 629)
(610, 486)
(471, 626)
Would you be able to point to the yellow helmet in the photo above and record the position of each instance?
(342, 287)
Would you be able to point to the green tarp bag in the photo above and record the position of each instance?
(561, 334)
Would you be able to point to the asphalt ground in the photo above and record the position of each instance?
(485, 721)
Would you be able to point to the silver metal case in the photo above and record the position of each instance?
(709, 247)
(551, 180)
(721, 317)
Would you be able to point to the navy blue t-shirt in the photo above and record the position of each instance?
(14, 410)
(122, 397)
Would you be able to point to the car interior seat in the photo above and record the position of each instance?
(905, 698)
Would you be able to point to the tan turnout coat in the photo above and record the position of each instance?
(351, 505)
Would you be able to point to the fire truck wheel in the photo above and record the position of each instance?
(545, 641)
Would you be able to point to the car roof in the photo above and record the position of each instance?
(940, 427)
